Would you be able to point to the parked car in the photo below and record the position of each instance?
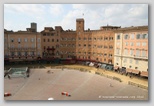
(7, 94)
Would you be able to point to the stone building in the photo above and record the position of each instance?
(111, 45)
(22, 45)
(131, 49)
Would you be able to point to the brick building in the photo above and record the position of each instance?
(100, 45)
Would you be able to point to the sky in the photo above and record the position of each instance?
(19, 16)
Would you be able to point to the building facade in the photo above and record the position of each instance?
(22, 45)
(131, 49)
(113, 45)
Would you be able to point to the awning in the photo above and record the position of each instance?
(116, 67)
(128, 70)
(135, 71)
(15, 60)
(51, 49)
(144, 73)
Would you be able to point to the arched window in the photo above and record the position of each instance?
(138, 36)
(126, 36)
(118, 37)
(145, 36)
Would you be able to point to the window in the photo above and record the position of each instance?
(94, 39)
(138, 36)
(26, 53)
(84, 45)
(32, 39)
(126, 43)
(137, 52)
(138, 44)
(143, 53)
(105, 54)
(12, 53)
(38, 39)
(145, 36)
(38, 46)
(126, 37)
(19, 40)
(131, 43)
(89, 38)
(118, 37)
(89, 45)
(57, 40)
(12, 40)
(79, 45)
(110, 38)
(110, 47)
(105, 46)
(131, 52)
(79, 38)
(137, 61)
(136, 67)
(19, 46)
(117, 51)
(52, 34)
(19, 53)
(144, 43)
(126, 51)
(52, 40)
(25, 39)
(105, 38)
(132, 36)
(110, 55)
(130, 60)
(32, 53)
(44, 40)
(48, 34)
(57, 53)
(125, 60)
(32, 45)
(84, 38)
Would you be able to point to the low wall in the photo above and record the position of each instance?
(138, 85)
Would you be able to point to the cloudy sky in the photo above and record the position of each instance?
(19, 16)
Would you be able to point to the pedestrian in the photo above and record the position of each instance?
(111, 85)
